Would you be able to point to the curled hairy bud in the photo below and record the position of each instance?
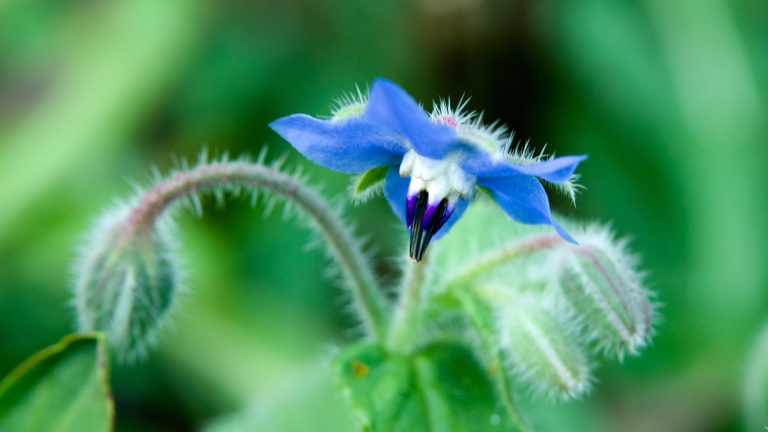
(599, 281)
(127, 279)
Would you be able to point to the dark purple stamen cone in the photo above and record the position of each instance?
(410, 205)
(425, 223)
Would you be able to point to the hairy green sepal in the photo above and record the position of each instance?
(442, 388)
(370, 180)
(64, 387)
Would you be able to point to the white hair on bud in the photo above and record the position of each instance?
(618, 297)
(349, 104)
(126, 281)
(542, 349)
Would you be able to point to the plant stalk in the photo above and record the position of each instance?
(502, 255)
(405, 319)
(186, 183)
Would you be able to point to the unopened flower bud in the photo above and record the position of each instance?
(126, 281)
(542, 350)
(606, 294)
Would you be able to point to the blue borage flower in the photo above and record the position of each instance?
(435, 160)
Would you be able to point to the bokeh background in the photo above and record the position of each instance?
(670, 100)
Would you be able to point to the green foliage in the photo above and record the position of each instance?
(441, 388)
(310, 401)
(62, 388)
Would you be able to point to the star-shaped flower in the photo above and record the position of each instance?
(435, 161)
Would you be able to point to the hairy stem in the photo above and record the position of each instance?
(408, 309)
(206, 177)
(502, 255)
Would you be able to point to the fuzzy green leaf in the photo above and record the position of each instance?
(369, 180)
(62, 388)
(440, 389)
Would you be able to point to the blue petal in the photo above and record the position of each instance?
(556, 170)
(395, 189)
(349, 145)
(524, 199)
(390, 106)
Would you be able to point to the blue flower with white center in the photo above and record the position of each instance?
(435, 161)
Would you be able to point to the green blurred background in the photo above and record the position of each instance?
(668, 98)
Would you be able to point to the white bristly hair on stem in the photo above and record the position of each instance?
(231, 176)
(125, 244)
(499, 256)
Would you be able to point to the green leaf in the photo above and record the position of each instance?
(64, 387)
(369, 180)
(440, 389)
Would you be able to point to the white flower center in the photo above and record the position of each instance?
(441, 178)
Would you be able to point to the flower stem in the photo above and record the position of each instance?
(502, 255)
(216, 175)
(408, 309)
